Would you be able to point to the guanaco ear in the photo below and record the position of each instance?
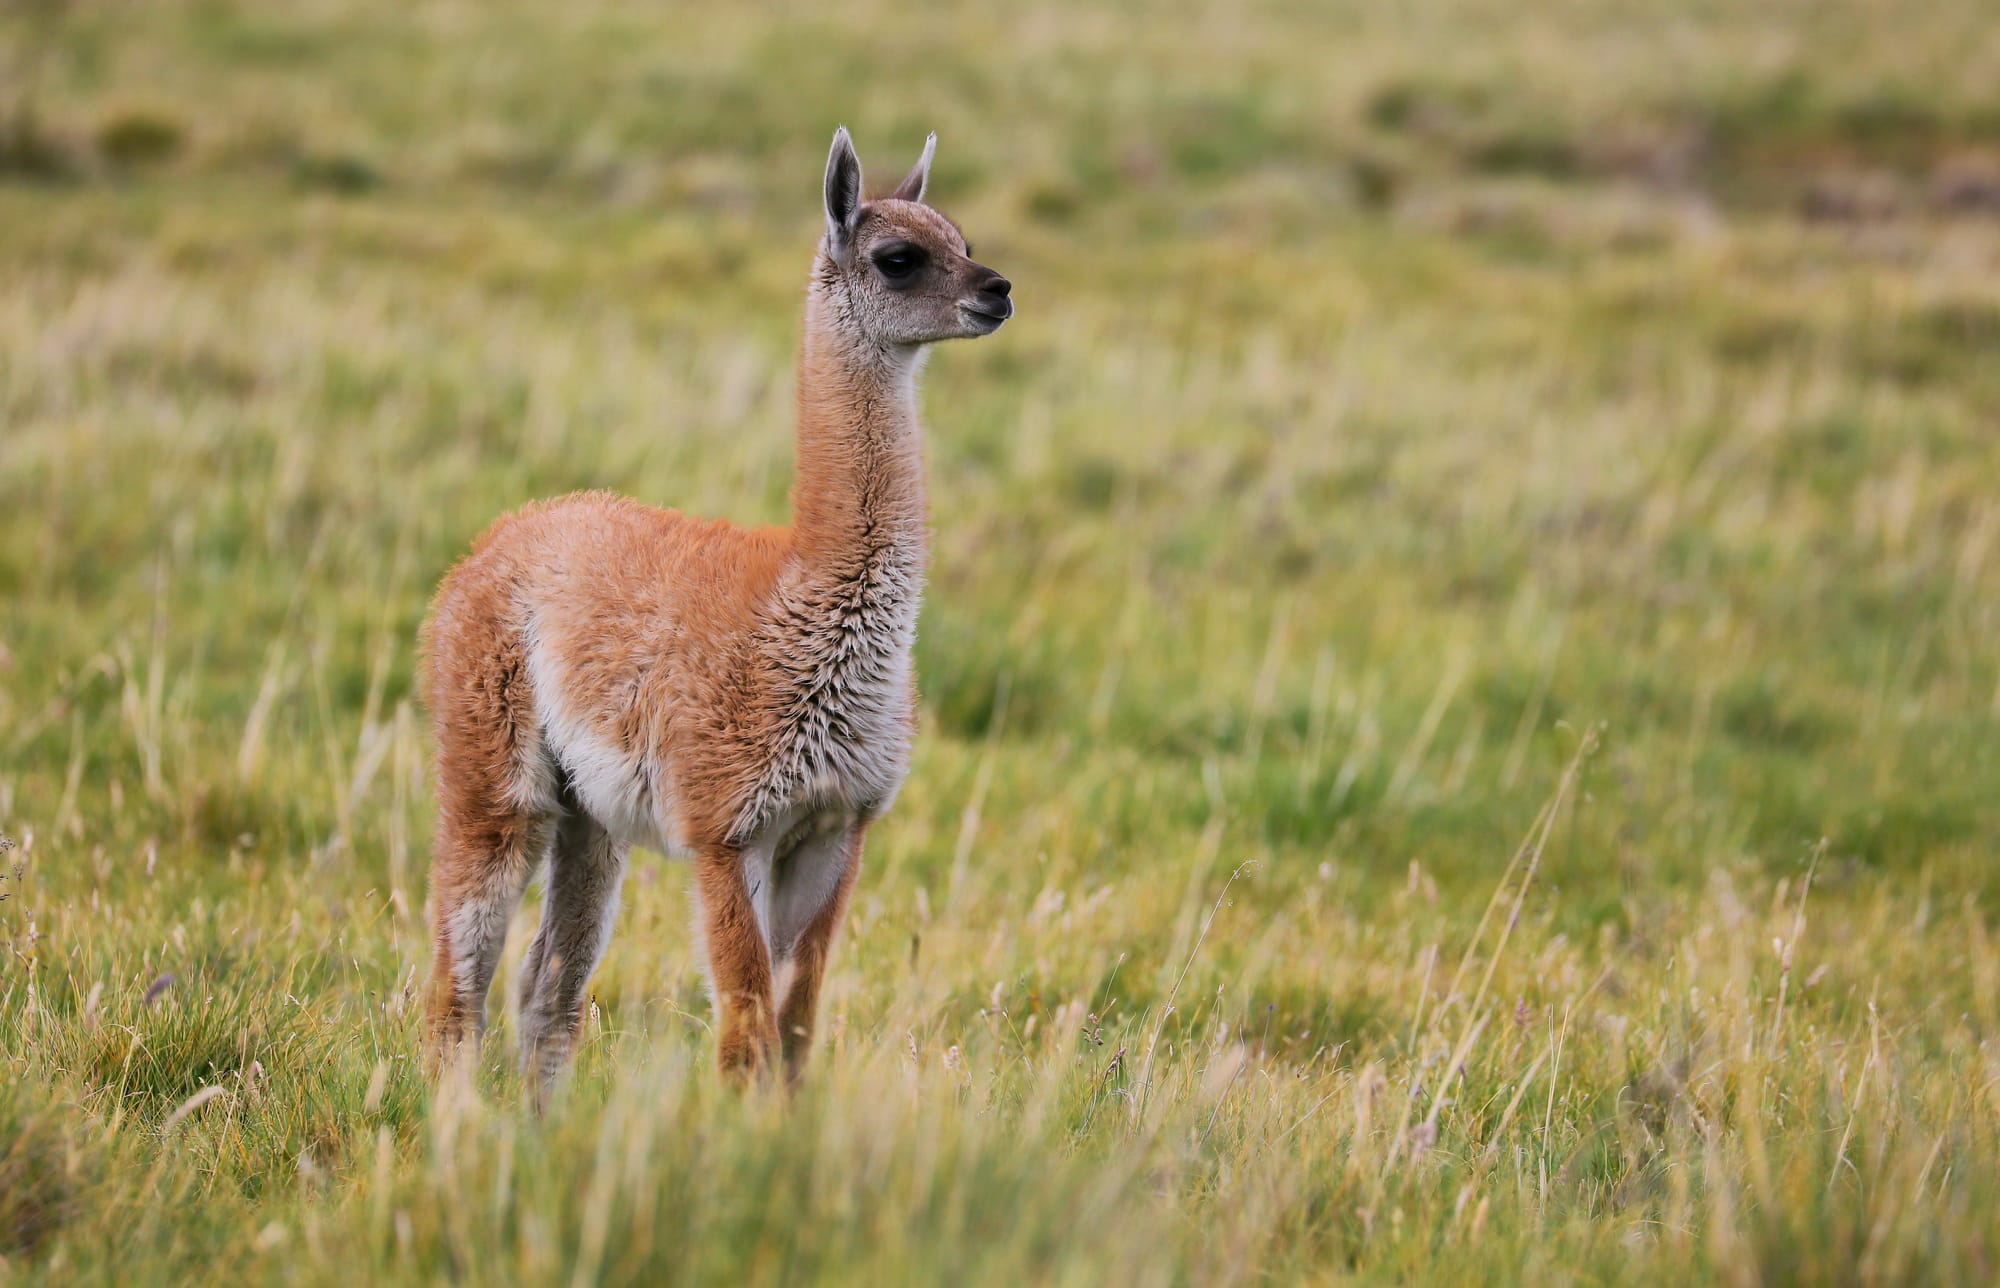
(843, 190)
(913, 184)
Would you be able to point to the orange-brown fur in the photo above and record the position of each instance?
(601, 671)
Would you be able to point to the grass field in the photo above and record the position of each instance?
(1461, 705)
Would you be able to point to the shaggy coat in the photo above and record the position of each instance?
(602, 674)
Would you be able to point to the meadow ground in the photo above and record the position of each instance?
(1462, 719)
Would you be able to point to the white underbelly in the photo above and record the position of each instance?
(627, 797)
(627, 794)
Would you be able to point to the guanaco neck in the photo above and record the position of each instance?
(858, 490)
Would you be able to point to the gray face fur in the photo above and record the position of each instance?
(903, 269)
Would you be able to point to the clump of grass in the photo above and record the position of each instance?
(30, 150)
(46, 1173)
(135, 138)
(343, 173)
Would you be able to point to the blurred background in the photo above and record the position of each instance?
(1391, 384)
(1398, 394)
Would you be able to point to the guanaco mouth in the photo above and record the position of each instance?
(995, 318)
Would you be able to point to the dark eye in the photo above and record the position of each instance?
(899, 261)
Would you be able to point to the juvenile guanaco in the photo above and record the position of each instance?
(602, 673)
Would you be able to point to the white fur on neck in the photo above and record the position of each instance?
(840, 631)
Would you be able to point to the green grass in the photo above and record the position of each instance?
(1450, 458)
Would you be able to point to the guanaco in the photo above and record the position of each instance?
(603, 674)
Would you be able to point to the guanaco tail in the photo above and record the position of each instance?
(603, 674)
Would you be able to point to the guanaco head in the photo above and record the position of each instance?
(903, 271)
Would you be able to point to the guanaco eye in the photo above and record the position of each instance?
(897, 262)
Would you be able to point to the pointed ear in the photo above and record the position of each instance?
(843, 189)
(913, 184)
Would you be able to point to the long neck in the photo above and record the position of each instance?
(859, 487)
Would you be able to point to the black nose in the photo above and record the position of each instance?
(998, 285)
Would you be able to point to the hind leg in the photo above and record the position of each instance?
(499, 793)
(586, 869)
(480, 869)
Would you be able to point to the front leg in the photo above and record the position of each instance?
(739, 965)
(814, 885)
